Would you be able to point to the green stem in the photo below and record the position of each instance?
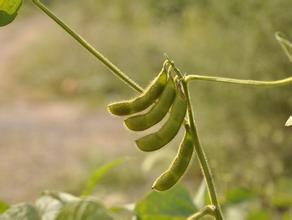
(90, 48)
(208, 210)
(199, 150)
(281, 82)
(285, 44)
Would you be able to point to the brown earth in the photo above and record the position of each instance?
(44, 144)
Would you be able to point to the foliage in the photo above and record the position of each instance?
(98, 174)
(93, 209)
(3, 207)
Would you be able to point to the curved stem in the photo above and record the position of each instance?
(90, 48)
(281, 82)
(199, 150)
(285, 44)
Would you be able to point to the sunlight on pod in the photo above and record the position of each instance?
(168, 131)
(158, 111)
(178, 166)
(144, 100)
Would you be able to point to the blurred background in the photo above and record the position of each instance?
(54, 126)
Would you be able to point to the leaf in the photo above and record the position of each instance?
(239, 195)
(21, 212)
(282, 197)
(50, 203)
(174, 204)
(287, 215)
(8, 10)
(259, 215)
(3, 207)
(200, 197)
(86, 209)
(60, 196)
(285, 44)
(124, 212)
(98, 175)
(289, 121)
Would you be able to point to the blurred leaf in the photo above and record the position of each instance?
(85, 209)
(259, 215)
(99, 174)
(239, 195)
(289, 121)
(153, 159)
(8, 10)
(285, 44)
(21, 212)
(200, 197)
(282, 197)
(60, 196)
(287, 215)
(174, 204)
(50, 203)
(123, 212)
(3, 207)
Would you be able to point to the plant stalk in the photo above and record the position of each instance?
(208, 210)
(200, 151)
(281, 82)
(116, 71)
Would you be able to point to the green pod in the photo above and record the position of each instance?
(158, 111)
(178, 166)
(167, 132)
(144, 100)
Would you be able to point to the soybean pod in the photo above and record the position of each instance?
(167, 132)
(144, 100)
(178, 166)
(158, 111)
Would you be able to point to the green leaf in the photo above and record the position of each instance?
(282, 197)
(239, 195)
(174, 204)
(3, 207)
(201, 195)
(259, 215)
(289, 122)
(85, 209)
(8, 10)
(124, 212)
(50, 203)
(99, 174)
(21, 212)
(287, 215)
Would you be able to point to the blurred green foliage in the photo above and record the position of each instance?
(241, 128)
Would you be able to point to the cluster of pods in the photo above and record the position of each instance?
(162, 97)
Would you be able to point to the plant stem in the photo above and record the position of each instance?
(90, 48)
(281, 82)
(199, 150)
(208, 210)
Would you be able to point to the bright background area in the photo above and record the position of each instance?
(54, 127)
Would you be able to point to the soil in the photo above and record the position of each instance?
(46, 144)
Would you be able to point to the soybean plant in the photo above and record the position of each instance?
(177, 100)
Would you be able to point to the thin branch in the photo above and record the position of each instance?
(208, 210)
(281, 82)
(90, 48)
(285, 44)
(199, 149)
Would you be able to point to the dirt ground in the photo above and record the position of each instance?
(43, 144)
